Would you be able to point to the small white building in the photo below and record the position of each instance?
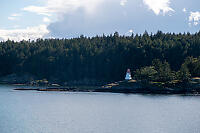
(128, 75)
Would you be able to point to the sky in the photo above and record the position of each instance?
(32, 19)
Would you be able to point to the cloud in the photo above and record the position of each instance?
(194, 18)
(109, 17)
(24, 34)
(123, 2)
(61, 11)
(63, 7)
(72, 18)
(106, 20)
(46, 20)
(159, 6)
(14, 16)
(38, 10)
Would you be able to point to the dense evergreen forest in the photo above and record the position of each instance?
(160, 56)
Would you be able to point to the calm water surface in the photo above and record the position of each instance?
(62, 112)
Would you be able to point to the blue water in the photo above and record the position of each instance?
(62, 112)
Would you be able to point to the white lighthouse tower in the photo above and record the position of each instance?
(128, 75)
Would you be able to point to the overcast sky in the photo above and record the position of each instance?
(31, 19)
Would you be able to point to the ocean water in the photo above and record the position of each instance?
(64, 112)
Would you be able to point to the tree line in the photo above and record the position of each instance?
(160, 56)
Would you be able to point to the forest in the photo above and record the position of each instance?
(156, 57)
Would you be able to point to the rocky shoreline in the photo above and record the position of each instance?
(131, 86)
(86, 85)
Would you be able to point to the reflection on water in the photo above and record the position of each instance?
(62, 112)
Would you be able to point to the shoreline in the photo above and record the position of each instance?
(126, 87)
(110, 90)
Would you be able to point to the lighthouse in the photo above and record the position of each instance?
(128, 75)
